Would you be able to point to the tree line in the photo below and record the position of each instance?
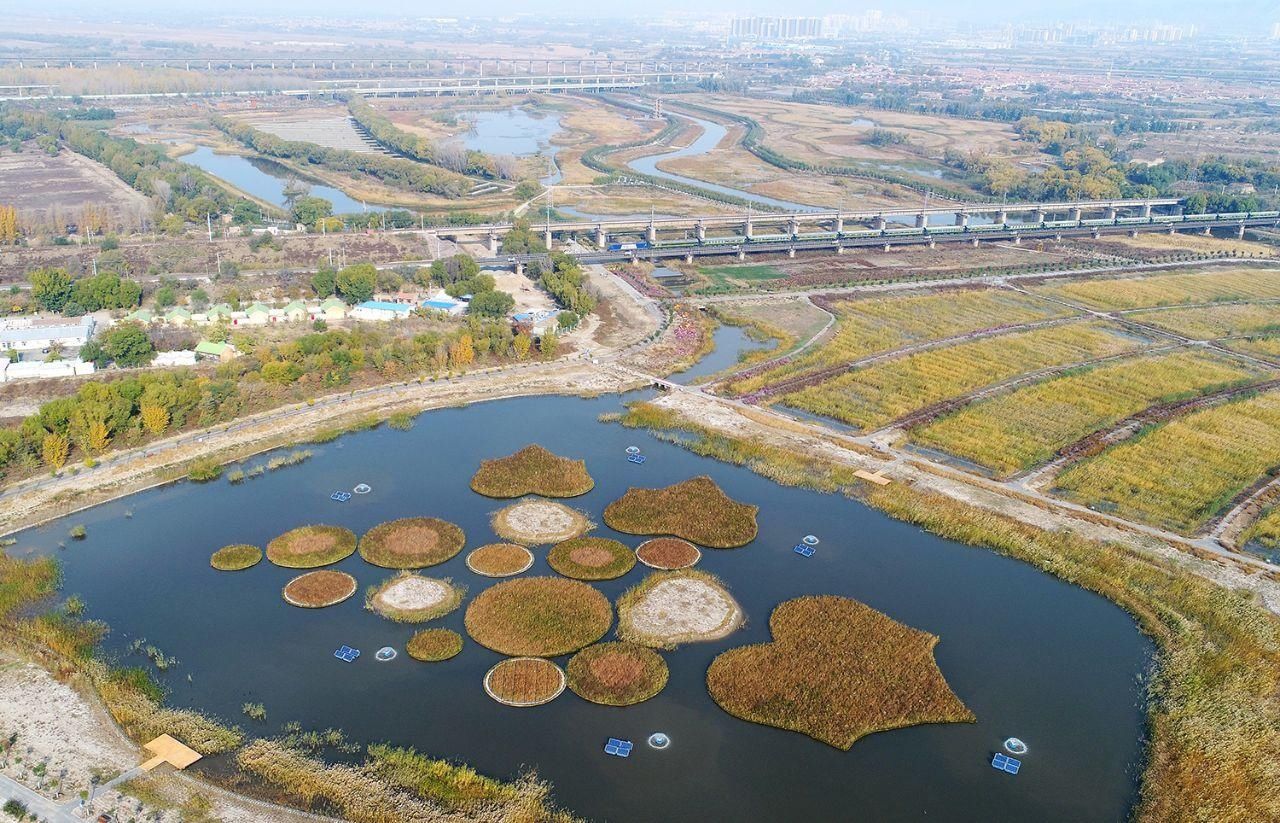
(455, 158)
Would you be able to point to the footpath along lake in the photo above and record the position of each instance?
(1031, 656)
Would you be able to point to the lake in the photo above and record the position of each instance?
(266, 179)
(1030, 655)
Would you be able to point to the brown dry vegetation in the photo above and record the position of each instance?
(837, 670)
(235, 557)
(309, 546)
(696, 510)
(617, 674)
(500, 560)
(532, 470)
(591, 558)
(411, 543)
(538, 616)
(524, 681)
(315, 590)
(668, 553)
(434, 645)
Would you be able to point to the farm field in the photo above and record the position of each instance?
(884, 391)
(1218, 452)
(1015, 431)
(881, 324)
(52, 191)
(1260, 346)
(735, 276)
(1171, 289)
(325, 126)
(1211, 322)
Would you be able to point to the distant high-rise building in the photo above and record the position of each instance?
(776, 28)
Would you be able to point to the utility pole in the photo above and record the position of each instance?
(208, 221)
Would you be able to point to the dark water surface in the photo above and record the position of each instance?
(1031, 656)
(266, 179)
(731, 343)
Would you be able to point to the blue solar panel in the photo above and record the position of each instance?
(618, 748)
(347, 654)
(1005, 763)
(803, 550)
(636, 458)
(341, 497)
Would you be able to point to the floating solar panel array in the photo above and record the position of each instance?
(803, 550)
(618, 748)
(636, 458)
(1005, 763)
(347, 654)
(341, 497)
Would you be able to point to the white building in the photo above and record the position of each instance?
(380, 310)
(36, 369)
(175, 358)
(46, 336)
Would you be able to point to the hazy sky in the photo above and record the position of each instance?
(1240, 12)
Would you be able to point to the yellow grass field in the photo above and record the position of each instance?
(1262, 346)
(882, 324)
(1015, 431)
(1183, 473)
(880, 393)
(1209, 322)
(1169, 289)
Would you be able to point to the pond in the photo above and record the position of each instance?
(266, 179)
(1031, 656)
(732, 342)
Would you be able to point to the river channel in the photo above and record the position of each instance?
(265, 179)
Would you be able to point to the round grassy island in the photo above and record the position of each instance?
(235, 557)
(534, 522)
(412, 598)
(591, 558)
(670, 608)
(500, 560)
(315, 590)
(696, 510)
(668, 553)
(434, 645)
(524, 681)
(307, 547)
(532, 470)
(411, 543)
(538, 617)
(836, 670)
(617, 674)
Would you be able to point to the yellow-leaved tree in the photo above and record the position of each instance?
(55, 448)
(155, 419)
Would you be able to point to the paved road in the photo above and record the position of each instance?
(36, 804)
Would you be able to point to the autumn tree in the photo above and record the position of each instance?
(9, 231)
(461, 353)
(55, 448)
(155, 419)
(521, 345)
(548, 344)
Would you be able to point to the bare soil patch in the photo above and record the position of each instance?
(412, 598)
(315, 590)
(500, 560)
(617, 674)
(412, 543)
(668, 553)
(524, 681)
(307, 547)
(670, 608)
(534, 522)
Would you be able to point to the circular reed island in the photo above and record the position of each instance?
(412, 543)
(412, 598)
(617, 674)
(524, 681)
(668, 554)
(307, 547)
(500, 560)
(696, 510)
(670, 608)
(434, 645)
(533, 522)
(538, 617)
(836, 670)
(591, 558)
(315, 590)
(532, 470)
(235, 557)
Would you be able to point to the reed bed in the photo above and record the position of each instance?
(668, 553)
(538, 617)
(412, 543)
(318, 589)
(1170, 289)
(307, 547)
(411, 598)
(617, 674)
(696, 510)
(524, 681)
(434, 645)
(881, 324)
(235, 557)
(591, 558)
(500, 560)
(1012, 432)
(1181, 474)
(882, 392)
(532, 470)
(836, 670)
(1211, 322)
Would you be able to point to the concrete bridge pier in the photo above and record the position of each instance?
(1146, 210)
(602, 239)
(1037, 216)
(1096, 234)
(1207, 232)
(519, 268)
(933, 244)
(700, 231)
(1076, 214)
(1017, 240)
(748, 231)
(651, 233)
(546, 238)
(975, 242)
(887, 247)
(793, 226)
(1133, 233)
(688, 259)
(1111, 213)
(493, 243)
(1240, 232)
(921, 221)
(962, 218)
(839, 249)
(742, 255)
(1172, 230)
(839, 225)
(1002, 217)
(791, 252)
(878, 223)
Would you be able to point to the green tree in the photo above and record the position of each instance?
(166, 297)
(246, 213)
(307, 210)
(454, 269)
(324, 282)
(50, 288)
(356, 283)
(491, 304)
(92, 352)
(548, 344)
(128, 345)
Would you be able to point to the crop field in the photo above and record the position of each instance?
(1169, 289)
(1261, 346)
(738, 276)
(882, 392)
(53, 191)
(1013, 432)
(1185, 472)
(1210, 322)
(881, 324)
